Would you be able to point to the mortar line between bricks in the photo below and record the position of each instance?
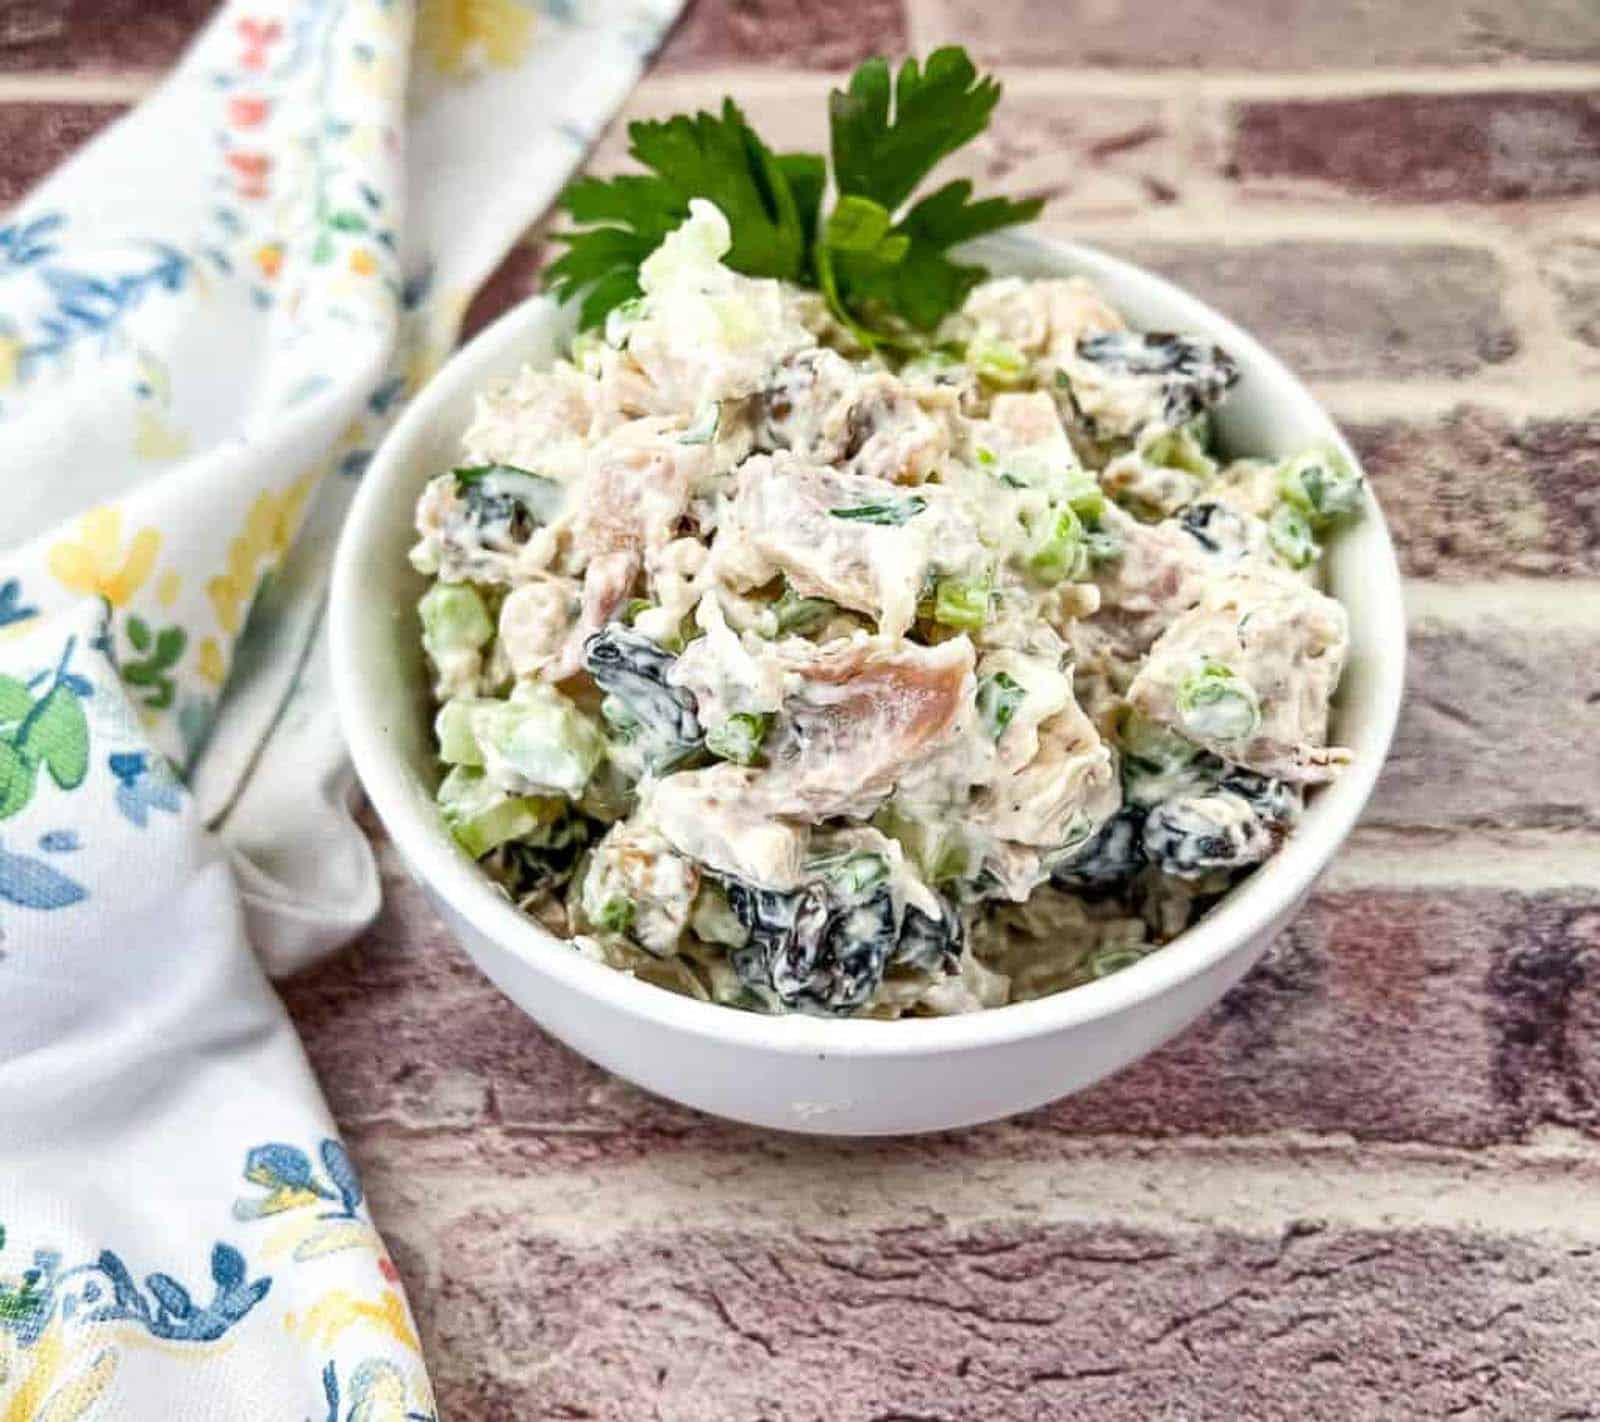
(1533, 604)
(1280, 84)
(1262, 1187)
(695, 85)
(1418, 858)
(1364, 402)
(75, 88)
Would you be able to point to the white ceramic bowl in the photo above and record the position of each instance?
(804, 1073)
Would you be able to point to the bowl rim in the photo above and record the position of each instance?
(1244, 914)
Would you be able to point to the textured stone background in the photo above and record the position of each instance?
(1369, 1184)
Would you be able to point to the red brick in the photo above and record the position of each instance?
(1497, 730)
(813, 34)
(1364, 311)
(1007, 1322)
(1289, 34)
(1369, 1016)
(36, 137)
(515, 279)
(1087, 155)
(1474, 495)
(119, 35)
(1478, 147)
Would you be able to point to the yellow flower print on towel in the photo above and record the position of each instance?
(268, 530)
(97, 565)
(339, 1309)
(460, 37)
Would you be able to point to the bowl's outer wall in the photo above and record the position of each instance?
(801, 1074)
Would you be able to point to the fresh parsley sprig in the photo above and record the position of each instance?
(881, 259)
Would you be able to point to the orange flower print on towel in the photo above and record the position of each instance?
(97, 564)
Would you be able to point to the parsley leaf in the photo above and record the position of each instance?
(883, 267)
(719, 158)
(936, 111)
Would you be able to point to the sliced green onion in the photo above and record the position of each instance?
(886, 513)
(1060, 555)
(1102, 547)
(703, 429)
(998, 362)
(616, 915)
(998, 698)
(739, 738)
(962, 603)
(1322, 485)
(1289, 533)
(801, 614)
(1215, 703)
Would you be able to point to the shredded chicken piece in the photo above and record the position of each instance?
(860, 715)
(1286, 642)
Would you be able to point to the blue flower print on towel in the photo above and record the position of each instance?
(24, 243)
(293, 1184)
(31, 883)
(325, 1205)
(378, 1393)
(104, 1291)
(12, 607)
(143, 784)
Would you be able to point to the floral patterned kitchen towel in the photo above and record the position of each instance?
(207, 320)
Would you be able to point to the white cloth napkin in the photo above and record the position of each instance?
(207, 319)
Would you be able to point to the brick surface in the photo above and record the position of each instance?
(1474, 495)
(821, 34)
(1290, 35)
(89, 35)
(1498, 727)
(1426, 147)
(36, 137)
(1403, 311)
(1008, 1321)
(1571, 266)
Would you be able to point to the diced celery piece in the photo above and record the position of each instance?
(939, 852)
(541, 736)
(482, 817)
(1084, 495)
(454, 619)
(452, 727)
